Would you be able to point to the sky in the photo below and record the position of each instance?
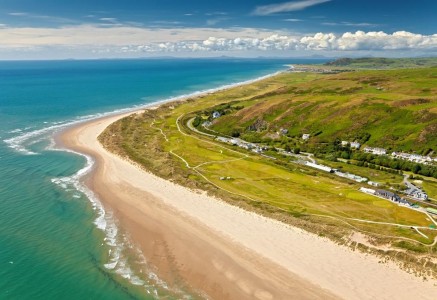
(56, 29)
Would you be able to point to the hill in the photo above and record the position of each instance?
(394, 109)
(383, 63)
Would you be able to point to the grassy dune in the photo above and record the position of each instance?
(160, 141)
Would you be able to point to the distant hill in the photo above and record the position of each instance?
(383, 63)
(394, 109)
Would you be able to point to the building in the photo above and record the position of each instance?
(283, 131)
(305, 136)
(216, 114)
(388, 195)
(367, 191)
(320, 167)
(351, 176)
(412, 157)
(372, 183)
(355, 145)
(376, 151)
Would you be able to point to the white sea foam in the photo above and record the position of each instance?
(22, 141)
(16, 130)
(118, 243)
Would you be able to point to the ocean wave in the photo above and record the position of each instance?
(117, 242)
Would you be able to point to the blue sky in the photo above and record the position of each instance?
(132, 28)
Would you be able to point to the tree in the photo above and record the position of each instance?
(345, 155)
(296, 150)
(235, 133)
(197, 120)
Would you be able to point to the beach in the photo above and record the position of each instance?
(224, 252)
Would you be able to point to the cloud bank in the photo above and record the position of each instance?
(127, 40)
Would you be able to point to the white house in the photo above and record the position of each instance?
(355, 145)
(376, 151)
(216, 114)
(352, 144)
(305, 136)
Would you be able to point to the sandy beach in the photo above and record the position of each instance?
(225, 252)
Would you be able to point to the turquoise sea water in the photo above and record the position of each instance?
(56, 242)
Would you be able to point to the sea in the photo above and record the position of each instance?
(56, 239)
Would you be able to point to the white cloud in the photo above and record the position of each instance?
(42, 17)
(350, 24)
(108, 19)
(215, 21)
(286, 7)
(128, 39)
(293, 20)
(18, 14)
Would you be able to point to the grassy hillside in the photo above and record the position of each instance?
(162, 141)
(394, 109)
(384, 63)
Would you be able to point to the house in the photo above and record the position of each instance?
(376, 151)
(350, 176)
(388, 195)
(420, 195)
(305, 136)
(283, 131)
(372, 183)
(216, 114)
(412, 157)
(355, 145)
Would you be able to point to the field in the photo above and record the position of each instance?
(160, 141)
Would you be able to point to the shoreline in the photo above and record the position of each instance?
(228, 263)
(166, 235)
(56, 128)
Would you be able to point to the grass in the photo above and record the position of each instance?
(384, 63)
(292, 193)
(390, 105)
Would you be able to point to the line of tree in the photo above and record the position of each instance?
(396, 164)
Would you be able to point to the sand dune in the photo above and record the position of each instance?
(226, 252)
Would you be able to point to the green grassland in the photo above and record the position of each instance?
(384, 63)
(397, 108)
(160, 141)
